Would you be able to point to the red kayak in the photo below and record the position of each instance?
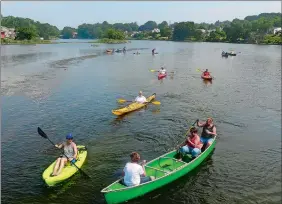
(206, 77)
(160, 76)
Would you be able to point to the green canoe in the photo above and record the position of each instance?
(165, 168)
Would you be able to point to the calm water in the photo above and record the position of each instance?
(73, 88)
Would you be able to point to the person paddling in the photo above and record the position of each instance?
(191, 145)
(206, 73)
(140, 98)
(153, 51)
(208, 133)
(70, 150)
(162, 70)
(135, 174)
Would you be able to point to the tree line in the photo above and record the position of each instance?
(252, 29)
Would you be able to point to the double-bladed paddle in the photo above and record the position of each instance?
(121, 100)
(43, 134)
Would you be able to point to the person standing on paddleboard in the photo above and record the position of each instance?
(209, 131)
(70, 150)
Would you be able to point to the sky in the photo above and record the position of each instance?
(74, 13)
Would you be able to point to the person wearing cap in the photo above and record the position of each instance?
(162, 70)
(209, 131)
(206, 73)
(140, 98)
(134, 173)
(70, 154)
(191, 145)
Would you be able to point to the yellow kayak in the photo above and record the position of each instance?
(67, 171)
(133, 106)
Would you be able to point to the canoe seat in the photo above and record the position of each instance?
(151, 171)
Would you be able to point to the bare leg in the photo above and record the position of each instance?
(62, 164)
(56, 166)
(207, 145)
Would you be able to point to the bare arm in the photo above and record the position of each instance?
(201, 124)
(75, 150)
(60, 146)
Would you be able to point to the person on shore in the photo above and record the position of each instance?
(162, 70)
(140, 98)
(208, 133)
(70, 154)
(135, 174)
(192, 144)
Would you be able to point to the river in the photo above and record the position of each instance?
(73, 87)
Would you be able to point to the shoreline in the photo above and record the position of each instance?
(108, 41)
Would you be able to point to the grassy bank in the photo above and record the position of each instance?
(110, 41)
(24, 42)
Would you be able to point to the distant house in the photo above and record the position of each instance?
(7, 32)
(202, 30)
(74, 34)
(276, 30)
(134, 32)
(156, 30)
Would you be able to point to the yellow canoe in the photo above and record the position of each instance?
(132, 107)
(67, 171)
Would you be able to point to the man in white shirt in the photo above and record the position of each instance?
(140, 98)
(162, 70)
(134, 174)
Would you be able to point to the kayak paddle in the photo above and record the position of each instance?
(43, 134)
(152, 70)
(121, 100)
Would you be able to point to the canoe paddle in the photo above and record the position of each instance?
(121, 100)
(43, 134)
(152, 70)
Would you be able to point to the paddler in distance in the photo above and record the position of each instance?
(70, 150)
(140, 98)
(162, 70)
(206, 73)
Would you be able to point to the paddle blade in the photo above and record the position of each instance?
(152, 70)
(198, 70)
(121, 100)
(156, 102)
(40, 132)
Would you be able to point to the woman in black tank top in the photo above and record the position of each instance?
(209, 131)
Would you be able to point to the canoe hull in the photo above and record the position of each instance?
(161, 76)
(121, 195)
(132, 107)
(68, 170)
(206, 78)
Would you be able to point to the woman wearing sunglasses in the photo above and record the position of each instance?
(191, 145)
(70, 150)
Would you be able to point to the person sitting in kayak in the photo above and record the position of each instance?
(70, 150)
(135, 174)
(140, 98)
(191, 145)
(162, 70)
(206, 73)
(124, 49)
(209, 131)
(153, 51)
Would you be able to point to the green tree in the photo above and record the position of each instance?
(183, 31)
(148, 26)
(166, 32)
(163, 25)
(67, 32)
(115, 34)
(26, 33)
